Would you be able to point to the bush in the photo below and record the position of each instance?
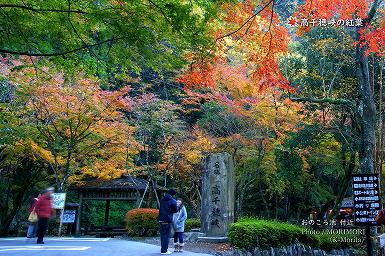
(142, 222)
(251, 233)
(192, 223)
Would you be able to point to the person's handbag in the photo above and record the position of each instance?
(380, 218)
(33, 216)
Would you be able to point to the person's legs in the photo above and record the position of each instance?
(175, 237)
(38, 232)
(41, 229)
(180, 237)
(163, 237)
(31, 230)
(176, 244)
(34, 229)
(168, 232)
(181, 242)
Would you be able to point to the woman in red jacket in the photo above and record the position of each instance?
(44, 211)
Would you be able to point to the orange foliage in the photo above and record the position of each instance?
(192, 151)
(143, 212)
(142, 222)
(373, 37)
(84, 123)
(343, 9)
(245, 62)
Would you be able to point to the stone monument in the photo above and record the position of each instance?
(217, 195)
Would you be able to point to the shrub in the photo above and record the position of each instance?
(142, 222)
(192, 223)
(251, 233)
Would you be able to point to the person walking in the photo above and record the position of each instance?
(178, 221)
(44, 212)
(167, 208)
(32, 226)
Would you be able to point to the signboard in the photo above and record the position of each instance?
(69, 216)
(58, 200)
(366, 199)
(347, 203)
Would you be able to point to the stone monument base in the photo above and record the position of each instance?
(213, 239)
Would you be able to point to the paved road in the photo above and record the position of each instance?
(80, 247)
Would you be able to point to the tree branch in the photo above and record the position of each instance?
(24, 7)
(59, 53)
(163, 13)
(373, 10)
(271, 22)
(77, 34)
(345, 102)
(342, 102)
(247, 21)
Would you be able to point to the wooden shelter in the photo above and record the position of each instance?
(126, 188)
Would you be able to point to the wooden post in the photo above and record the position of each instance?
(369, 241)
(79, 214)
(144, 194)
(107, 211)
(156, 193)
(61, 222)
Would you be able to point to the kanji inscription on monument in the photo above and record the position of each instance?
(217, 194)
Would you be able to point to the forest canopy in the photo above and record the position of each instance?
(97, 89)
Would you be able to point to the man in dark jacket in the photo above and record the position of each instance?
(166, 210)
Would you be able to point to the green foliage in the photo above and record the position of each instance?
(94, 212)
(192, 223)
(219, 121)
(21, 168)
(251, 233)
(142, 222)
(94, 36)
(322, 66)
(158, 125)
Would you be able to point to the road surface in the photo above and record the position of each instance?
(80, 247)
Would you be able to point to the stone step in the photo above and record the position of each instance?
(213, 239)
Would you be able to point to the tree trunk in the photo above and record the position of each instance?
(367, 110)
(9, 215)
(287, 205)
(344, 185)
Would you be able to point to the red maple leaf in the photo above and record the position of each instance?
(292, 21)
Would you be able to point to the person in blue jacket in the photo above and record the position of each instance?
(179, 219)
(167, 208)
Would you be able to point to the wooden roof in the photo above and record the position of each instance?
(124, 183)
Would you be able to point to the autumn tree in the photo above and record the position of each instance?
(82, 126)
(367, 37)
(23, 163)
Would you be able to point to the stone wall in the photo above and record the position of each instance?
(293, 250)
